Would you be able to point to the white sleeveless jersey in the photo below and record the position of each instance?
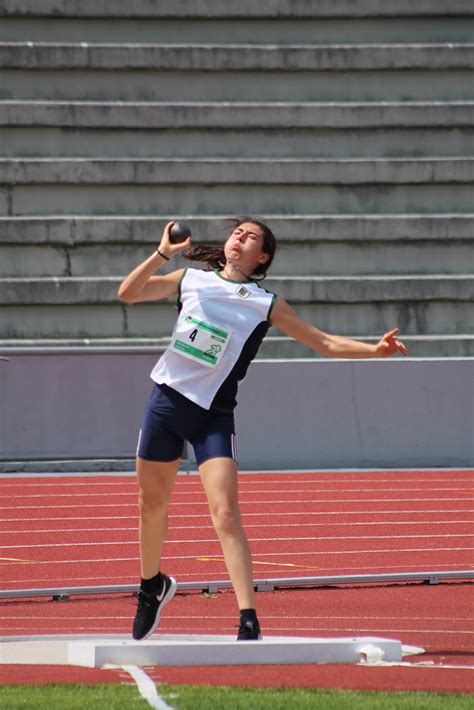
(220, 327)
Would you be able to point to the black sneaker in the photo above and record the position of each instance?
(249, 631)
(149, 606)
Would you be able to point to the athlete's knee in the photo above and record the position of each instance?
(152, 502)
(155, 481)
(226, 520)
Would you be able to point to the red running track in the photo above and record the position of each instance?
(75, 531)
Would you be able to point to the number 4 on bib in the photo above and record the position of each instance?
(199, 341)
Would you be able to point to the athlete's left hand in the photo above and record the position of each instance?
(389, 345)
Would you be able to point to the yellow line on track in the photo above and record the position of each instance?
(272, 564)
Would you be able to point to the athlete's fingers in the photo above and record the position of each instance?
(401, 347)
(166, 231)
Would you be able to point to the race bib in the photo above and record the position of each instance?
(199, 341)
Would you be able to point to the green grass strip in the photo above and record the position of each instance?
(115, 696)
(112, 696)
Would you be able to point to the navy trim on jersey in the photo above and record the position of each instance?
(272, 305)
(225, 399)
(178, 299)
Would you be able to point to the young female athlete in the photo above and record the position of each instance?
(223, 316)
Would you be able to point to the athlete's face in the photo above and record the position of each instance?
(245, 246)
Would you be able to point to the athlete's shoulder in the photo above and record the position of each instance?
(201, 275)
(196, 278)
(199, 272)
(258, 284)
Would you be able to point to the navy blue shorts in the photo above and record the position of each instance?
(170, 419)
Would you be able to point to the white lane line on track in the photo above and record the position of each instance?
(354, 618)
(243, 492)
(146, 687)
(260, 502)
(277, 481)
(249, 515)
(190, 471)
(268, 617)
(250, 539)
(247, 526)
(424, 665)
(358, 630)
(256, 555)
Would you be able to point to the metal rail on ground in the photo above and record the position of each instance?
(261, 585)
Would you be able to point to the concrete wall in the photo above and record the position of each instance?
(80, 403)
(357, 413)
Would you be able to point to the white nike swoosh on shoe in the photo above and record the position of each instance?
(161, 596)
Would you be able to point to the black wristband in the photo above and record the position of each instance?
(163, 255)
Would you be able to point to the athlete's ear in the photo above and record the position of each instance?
(263, 258)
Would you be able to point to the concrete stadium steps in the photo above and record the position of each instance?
(297, 289)
(348, 125)
(231, 9)
(141, 72)
(236, 57)
(74, 230)
(208, 198)
(372, 85)
(326, 246)
(237, 142)
(240, 72)
(239, 129)
(197, 171)
(26, 322)
(250, 30)
(244, 114)
(353, 257)
(273, 22)
(61, 307)
(145, 186)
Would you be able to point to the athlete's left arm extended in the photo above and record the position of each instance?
(284, 317)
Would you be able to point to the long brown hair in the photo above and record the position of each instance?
(214, 255)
